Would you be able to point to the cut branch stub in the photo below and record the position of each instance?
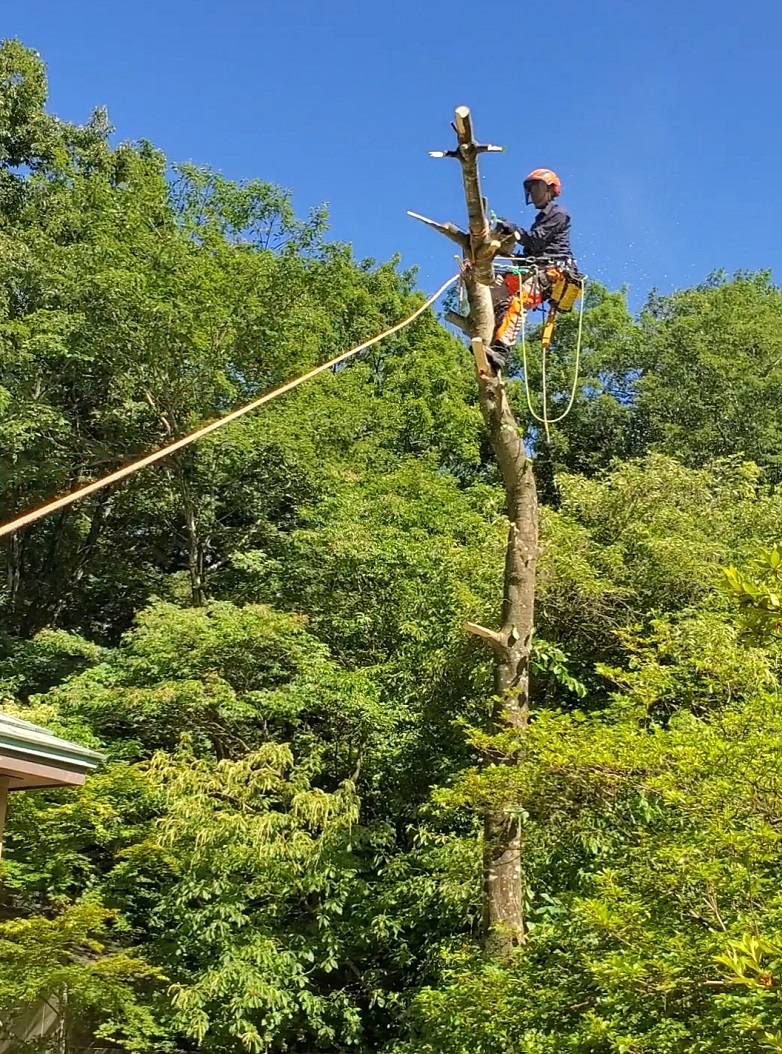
(491, 635)
(463, 124)
(461, 322)
(450, 230)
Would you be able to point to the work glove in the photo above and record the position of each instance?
(507, 236)
(506, 229)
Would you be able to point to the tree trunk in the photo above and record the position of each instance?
(503, 912)
(15, 557)
(503, 902)
(195, 550)
(181, 472)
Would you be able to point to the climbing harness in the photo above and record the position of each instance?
(566, 289)
(149, 459)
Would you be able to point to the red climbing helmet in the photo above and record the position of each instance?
(551, 179)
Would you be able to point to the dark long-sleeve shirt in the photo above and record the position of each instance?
(549, 234)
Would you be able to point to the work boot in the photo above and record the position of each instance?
(497, 357)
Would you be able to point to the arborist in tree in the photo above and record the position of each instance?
(546, 256)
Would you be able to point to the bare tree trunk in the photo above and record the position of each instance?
(179, 473)
(16, 546)
(195, 549)
(503, 905)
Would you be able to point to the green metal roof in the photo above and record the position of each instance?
(30, 742)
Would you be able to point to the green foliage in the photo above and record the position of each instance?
(68, 958)
(252, 866)
(757, 592)
(38, 664)
(712, 370)
(207, 293)
(651, 865)
(696, 377)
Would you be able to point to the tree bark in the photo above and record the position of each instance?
(16, 548)
(179, 472)
(195, 548)
(503, 902)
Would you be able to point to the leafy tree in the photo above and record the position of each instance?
(757, 592)
(252, 868)
(695, 377)
(711, 371)
(68, 960)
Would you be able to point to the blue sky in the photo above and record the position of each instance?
(661, 117)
